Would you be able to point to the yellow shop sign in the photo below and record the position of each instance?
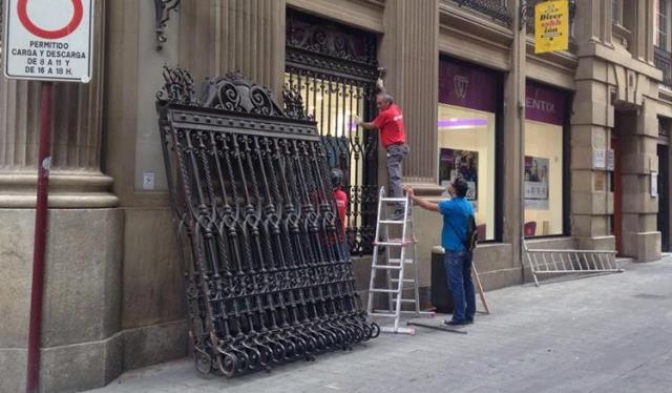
(551, 26)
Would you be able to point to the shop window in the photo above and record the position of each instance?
(544, 172)
(617, 11)
(468, 106)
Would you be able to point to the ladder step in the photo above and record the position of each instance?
(387, 267)
(399, 222)
(396, 242)
(392, 199)
(398, 261)
(405, 300)
(384, 290)
(413, 312)
(406, 280)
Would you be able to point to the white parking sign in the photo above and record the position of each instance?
(48, 40)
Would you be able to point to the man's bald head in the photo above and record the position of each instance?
(384, 100)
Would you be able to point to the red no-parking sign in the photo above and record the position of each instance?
(48, 40)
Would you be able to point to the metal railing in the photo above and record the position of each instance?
(496, 9)
(663, 61)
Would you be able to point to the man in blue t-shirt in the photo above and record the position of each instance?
(456, 212)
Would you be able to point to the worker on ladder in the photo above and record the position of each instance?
(457, 213)
(390, 122)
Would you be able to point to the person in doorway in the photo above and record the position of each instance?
(458, 259)
(390, 122)
(338, 245)
(340, 195)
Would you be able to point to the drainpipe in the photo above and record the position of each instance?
(521, 116)
(521, 84)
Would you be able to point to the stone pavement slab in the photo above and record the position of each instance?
(608, 333)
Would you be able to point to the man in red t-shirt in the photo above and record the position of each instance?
(390, 122)
(340, 248)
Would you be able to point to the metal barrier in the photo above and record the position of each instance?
(545, 262)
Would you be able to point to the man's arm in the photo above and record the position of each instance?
(423, 203)
(367, 125)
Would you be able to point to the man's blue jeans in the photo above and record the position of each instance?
(458, 271)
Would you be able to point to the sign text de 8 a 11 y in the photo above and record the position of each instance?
(48, 40)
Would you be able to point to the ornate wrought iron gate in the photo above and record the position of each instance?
(334, 69)
(268, 279)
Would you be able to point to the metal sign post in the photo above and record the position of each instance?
(49, 41)
(41, 207)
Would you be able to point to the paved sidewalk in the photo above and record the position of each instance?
(609, 333)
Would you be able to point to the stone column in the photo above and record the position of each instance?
(219, 36)
(591, 200)
(82, 284)
(640, 138)
(409, 51)
(591, 123)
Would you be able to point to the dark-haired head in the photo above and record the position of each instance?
(461, 187)
(336, 177)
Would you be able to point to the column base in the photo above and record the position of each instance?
(596, 243)
(67, 189)
(81, 344)
(643, 246)
(70, 368)
(148, 345)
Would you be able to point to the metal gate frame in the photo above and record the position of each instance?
(327, 58)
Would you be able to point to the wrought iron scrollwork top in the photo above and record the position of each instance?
(178, 87)
(235, 93)
(330, 40)
(231, 92)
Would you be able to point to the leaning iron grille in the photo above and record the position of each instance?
(268, 280)
(334, 69)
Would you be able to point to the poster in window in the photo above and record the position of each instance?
(460, 163)
(536, 183)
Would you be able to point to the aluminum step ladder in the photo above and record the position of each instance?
(399, 253)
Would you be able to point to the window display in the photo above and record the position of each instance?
(544, 160)
(468, 101)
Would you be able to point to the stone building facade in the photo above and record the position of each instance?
(536, 135)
